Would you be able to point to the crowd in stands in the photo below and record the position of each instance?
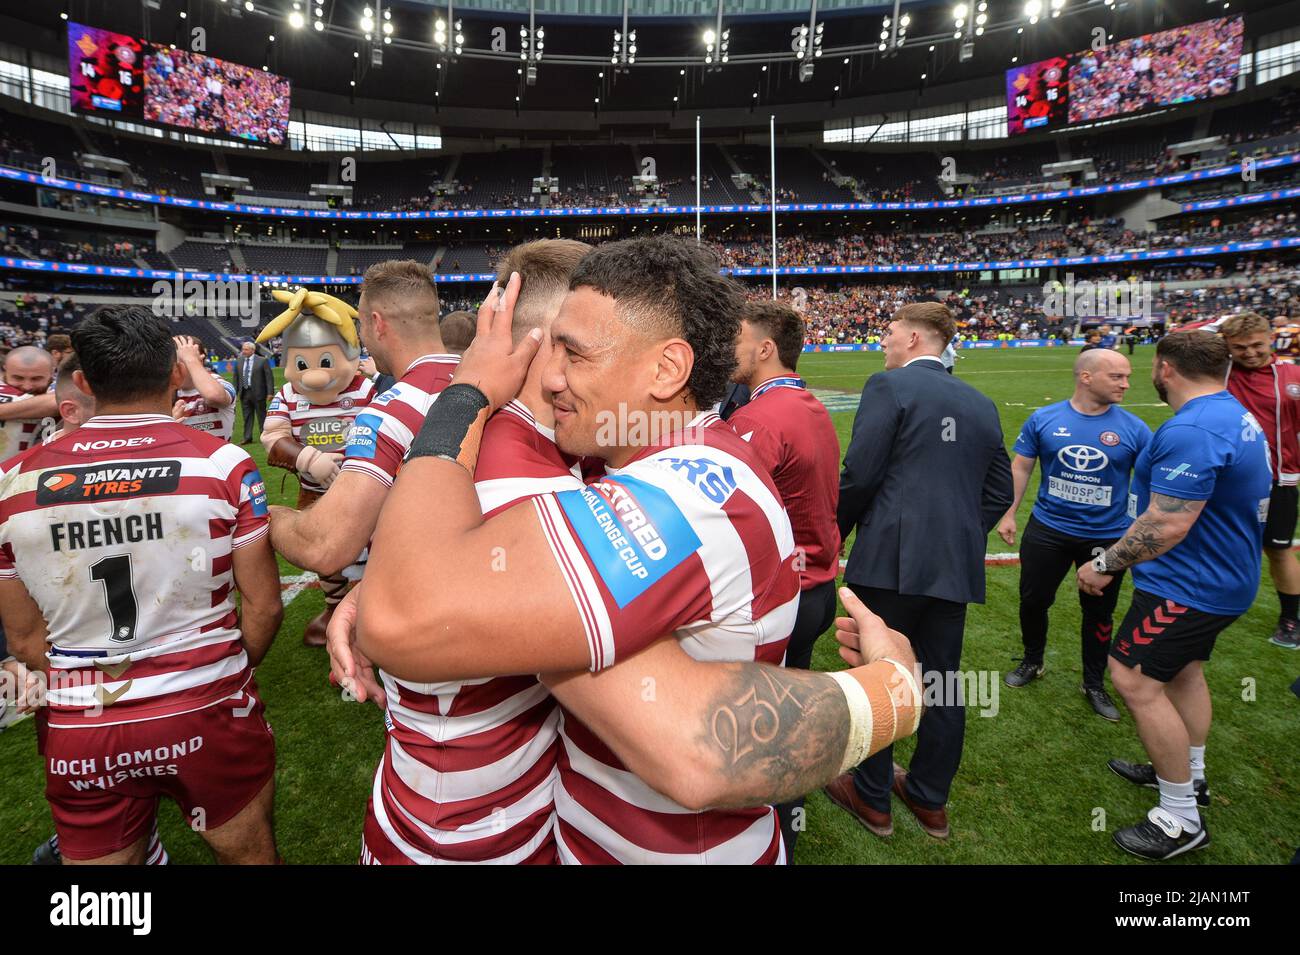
(34, 318)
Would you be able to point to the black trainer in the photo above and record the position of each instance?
(47, 853)
(1161, 836)
(1101, 702)
(1287, 634)
(1025, 673)
(1144, 774)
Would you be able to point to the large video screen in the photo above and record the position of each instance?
(105, 72)
(1038, 95)
(114, 74)
(209, 95)
(1182, 65)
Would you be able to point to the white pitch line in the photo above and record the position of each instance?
(291, 587)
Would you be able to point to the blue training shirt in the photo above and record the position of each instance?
(1085, 461)
(1212, 450)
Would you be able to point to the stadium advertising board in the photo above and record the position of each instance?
(1188, 63)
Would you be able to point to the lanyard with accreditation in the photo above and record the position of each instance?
(792, 381)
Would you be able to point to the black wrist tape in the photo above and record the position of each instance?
(447, 423)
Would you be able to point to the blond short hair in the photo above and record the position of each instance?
(934, 317)
(1244, 323)
(544, 267)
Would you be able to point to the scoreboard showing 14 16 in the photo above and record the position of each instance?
(1038, 96)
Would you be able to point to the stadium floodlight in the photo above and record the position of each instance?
(248, 5)
(1057, 7)
(296, 19)
(1033, 10)
(367, 23)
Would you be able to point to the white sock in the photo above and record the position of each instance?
(1197, 756)
(1179, 800)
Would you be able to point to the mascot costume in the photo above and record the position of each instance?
(308, 420)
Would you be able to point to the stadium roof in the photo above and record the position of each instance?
(666, 82)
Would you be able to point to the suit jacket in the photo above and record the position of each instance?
(925, 478)
(263, 385)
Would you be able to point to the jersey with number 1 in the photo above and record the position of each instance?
(123, 533)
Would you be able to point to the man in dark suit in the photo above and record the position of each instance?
(254, 384)
(925, 478)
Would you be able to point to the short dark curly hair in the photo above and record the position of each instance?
(676, 284)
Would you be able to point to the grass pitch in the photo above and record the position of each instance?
(1033, 786)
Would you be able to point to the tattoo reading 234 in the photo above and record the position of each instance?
(738, 726)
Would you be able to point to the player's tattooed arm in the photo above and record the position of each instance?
(1157, 530)
(746, 734)
(713, 734)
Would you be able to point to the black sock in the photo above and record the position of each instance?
(1290, 605)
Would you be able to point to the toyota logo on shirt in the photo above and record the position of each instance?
(1082, 458)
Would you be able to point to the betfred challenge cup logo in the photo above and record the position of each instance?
(1109, 438)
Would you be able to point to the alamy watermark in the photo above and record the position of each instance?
(1124, 299)
(213, 298)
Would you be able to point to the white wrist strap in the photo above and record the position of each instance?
(860, 720)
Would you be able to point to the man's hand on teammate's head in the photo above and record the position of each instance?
(349, 667)
(493, 363)
(864, 638)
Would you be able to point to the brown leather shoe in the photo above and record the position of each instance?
(844, 794)
(314, 635)
(934, 822)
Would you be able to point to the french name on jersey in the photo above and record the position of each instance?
(106, 531)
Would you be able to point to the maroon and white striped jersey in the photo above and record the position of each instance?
(382, 434)
(205, 417)
(469, 768)
(689, 538)
(19, 434)
(323, 427)
(123, 533)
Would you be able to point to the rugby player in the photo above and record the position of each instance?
(76, 407)
(794, 438)
(121, 546)
(501, 756)
(204, 400)
(1199, 495)
(469, 767)
(1286, 340)
(1270, 390)
(1086, 446)
(27, 402)
(683, 535)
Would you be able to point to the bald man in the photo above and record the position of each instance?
(28, 407)
(1087, 446)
